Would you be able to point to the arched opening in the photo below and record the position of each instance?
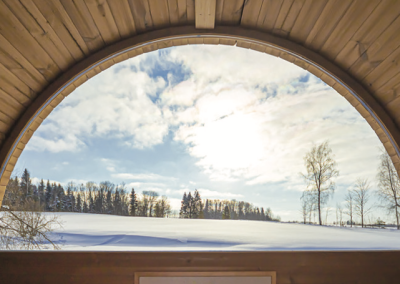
(120, 68)
(344, 84)
(89, 67)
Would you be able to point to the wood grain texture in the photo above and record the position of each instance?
(205, 14)
(117, 267)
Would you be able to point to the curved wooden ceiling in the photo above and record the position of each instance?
(43, 42)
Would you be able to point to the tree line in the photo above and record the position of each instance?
(321, 171)
(102, 198)
(193, 207)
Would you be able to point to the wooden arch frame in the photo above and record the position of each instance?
(315, 63)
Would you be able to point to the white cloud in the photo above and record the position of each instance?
(147, 176)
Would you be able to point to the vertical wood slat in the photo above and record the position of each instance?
(251, 12)
(205, 14)
(37, 26)
(378, 51)
(58, 19)
(306, 19)
(123, 17)
(16, 34)
(141, 14)
(159, 13)
(190, 12)
(182, 11)
(364, 37)
(283, 12)
(173, 12)
(232, 12)
(268, 14)
(291, 17)
(20, 67)
(14, 86)
(347, 26)
(104, 20)
(84, 23)
(326, 23)
(10, 105)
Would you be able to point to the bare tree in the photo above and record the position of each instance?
(340, 209)
(349, 205)
(361, 194)
(26, 229)
(389, 187)
(321, 170)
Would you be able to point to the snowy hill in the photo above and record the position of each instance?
(106, 232)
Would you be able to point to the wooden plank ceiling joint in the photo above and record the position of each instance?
(205, 14)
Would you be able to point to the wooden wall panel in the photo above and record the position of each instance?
(120, 267)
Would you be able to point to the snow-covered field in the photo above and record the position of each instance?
(105, 232)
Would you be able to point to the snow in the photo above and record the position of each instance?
(93, 232)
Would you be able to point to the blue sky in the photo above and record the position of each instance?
(231, 122)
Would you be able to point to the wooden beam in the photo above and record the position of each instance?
(205, 14)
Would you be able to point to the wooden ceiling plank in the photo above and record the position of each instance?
(16, 34)
(390, 90)
(378, 51)
(190, 12)
(218, 11)
(4, 127)
(62, 24)
(326, 23)
(19, 71)
(283, 12)
(356, 47)
(306, 20)
(291, 17)
(123, 17)
(14, 92)
(54, 26)
(80, 16)
(173, 12)
(6, 118)
(141, 14)
(159, 13)
(10, 105)
(268, 14)
(251, 12)
(348, 26)
(104, 20)
(13, 80)
(384, 72)
(38, 27)
(22, 64)
(232, 12)
(205, 14)
(182, 11)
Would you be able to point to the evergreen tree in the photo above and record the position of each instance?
(78, 203)
(26, 185)
(109, 203)
(225, 214)
(61, 198)
(197, 205)
(48, 196)
(206, 210)
(262, 214)
(41, 193)
(133, 203)
(184, 207)
(85, 207)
